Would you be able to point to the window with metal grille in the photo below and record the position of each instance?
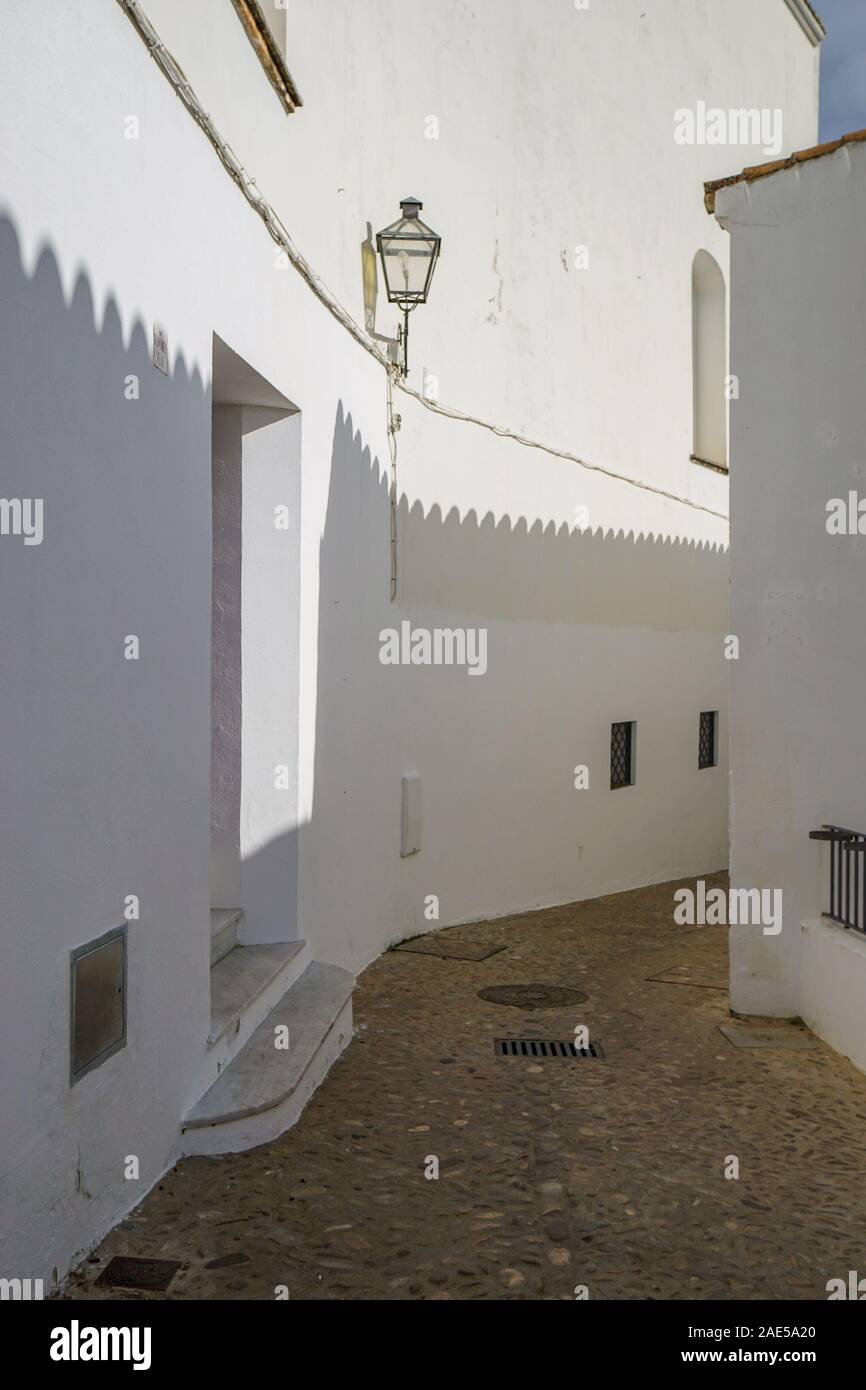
(622, 748)
(707, 741)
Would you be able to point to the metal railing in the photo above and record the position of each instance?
(847, 878)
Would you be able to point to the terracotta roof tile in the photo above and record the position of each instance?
(763, 171)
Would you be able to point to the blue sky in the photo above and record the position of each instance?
(843, 71)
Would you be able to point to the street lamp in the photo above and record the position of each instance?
(409, 250)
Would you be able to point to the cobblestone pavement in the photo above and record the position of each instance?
(552, 1174)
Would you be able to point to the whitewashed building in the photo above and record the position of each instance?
(218, 802)
(798, 523)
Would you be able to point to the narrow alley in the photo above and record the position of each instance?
(558, 1177)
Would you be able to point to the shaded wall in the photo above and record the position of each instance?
(105, 781)
(583, 629)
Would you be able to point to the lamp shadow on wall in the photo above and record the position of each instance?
(370, 284)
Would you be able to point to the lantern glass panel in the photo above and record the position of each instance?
(408, 249)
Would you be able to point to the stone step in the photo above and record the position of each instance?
(263, 1090)
(244, 987)
(224, 923)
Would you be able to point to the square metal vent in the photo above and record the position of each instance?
(97, 1002)
(138, 1272)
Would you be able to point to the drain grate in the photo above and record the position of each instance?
(544, 1047)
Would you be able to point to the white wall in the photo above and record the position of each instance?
(256, 664)
(556, 129)
(106, 770)
(598, 362)
(226, 657)
(271, 666)
(710, 360)
(833, 964)
(583, 630)
(797, 594)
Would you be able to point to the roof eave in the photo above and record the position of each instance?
(258, 32)
(810, 22)
(764, 171)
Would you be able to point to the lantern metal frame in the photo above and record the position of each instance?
(408, 236)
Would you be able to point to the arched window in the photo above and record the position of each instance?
(709, 361)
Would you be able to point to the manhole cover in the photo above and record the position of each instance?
(129, 1272)
(532, 996)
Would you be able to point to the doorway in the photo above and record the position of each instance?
(255, 619)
